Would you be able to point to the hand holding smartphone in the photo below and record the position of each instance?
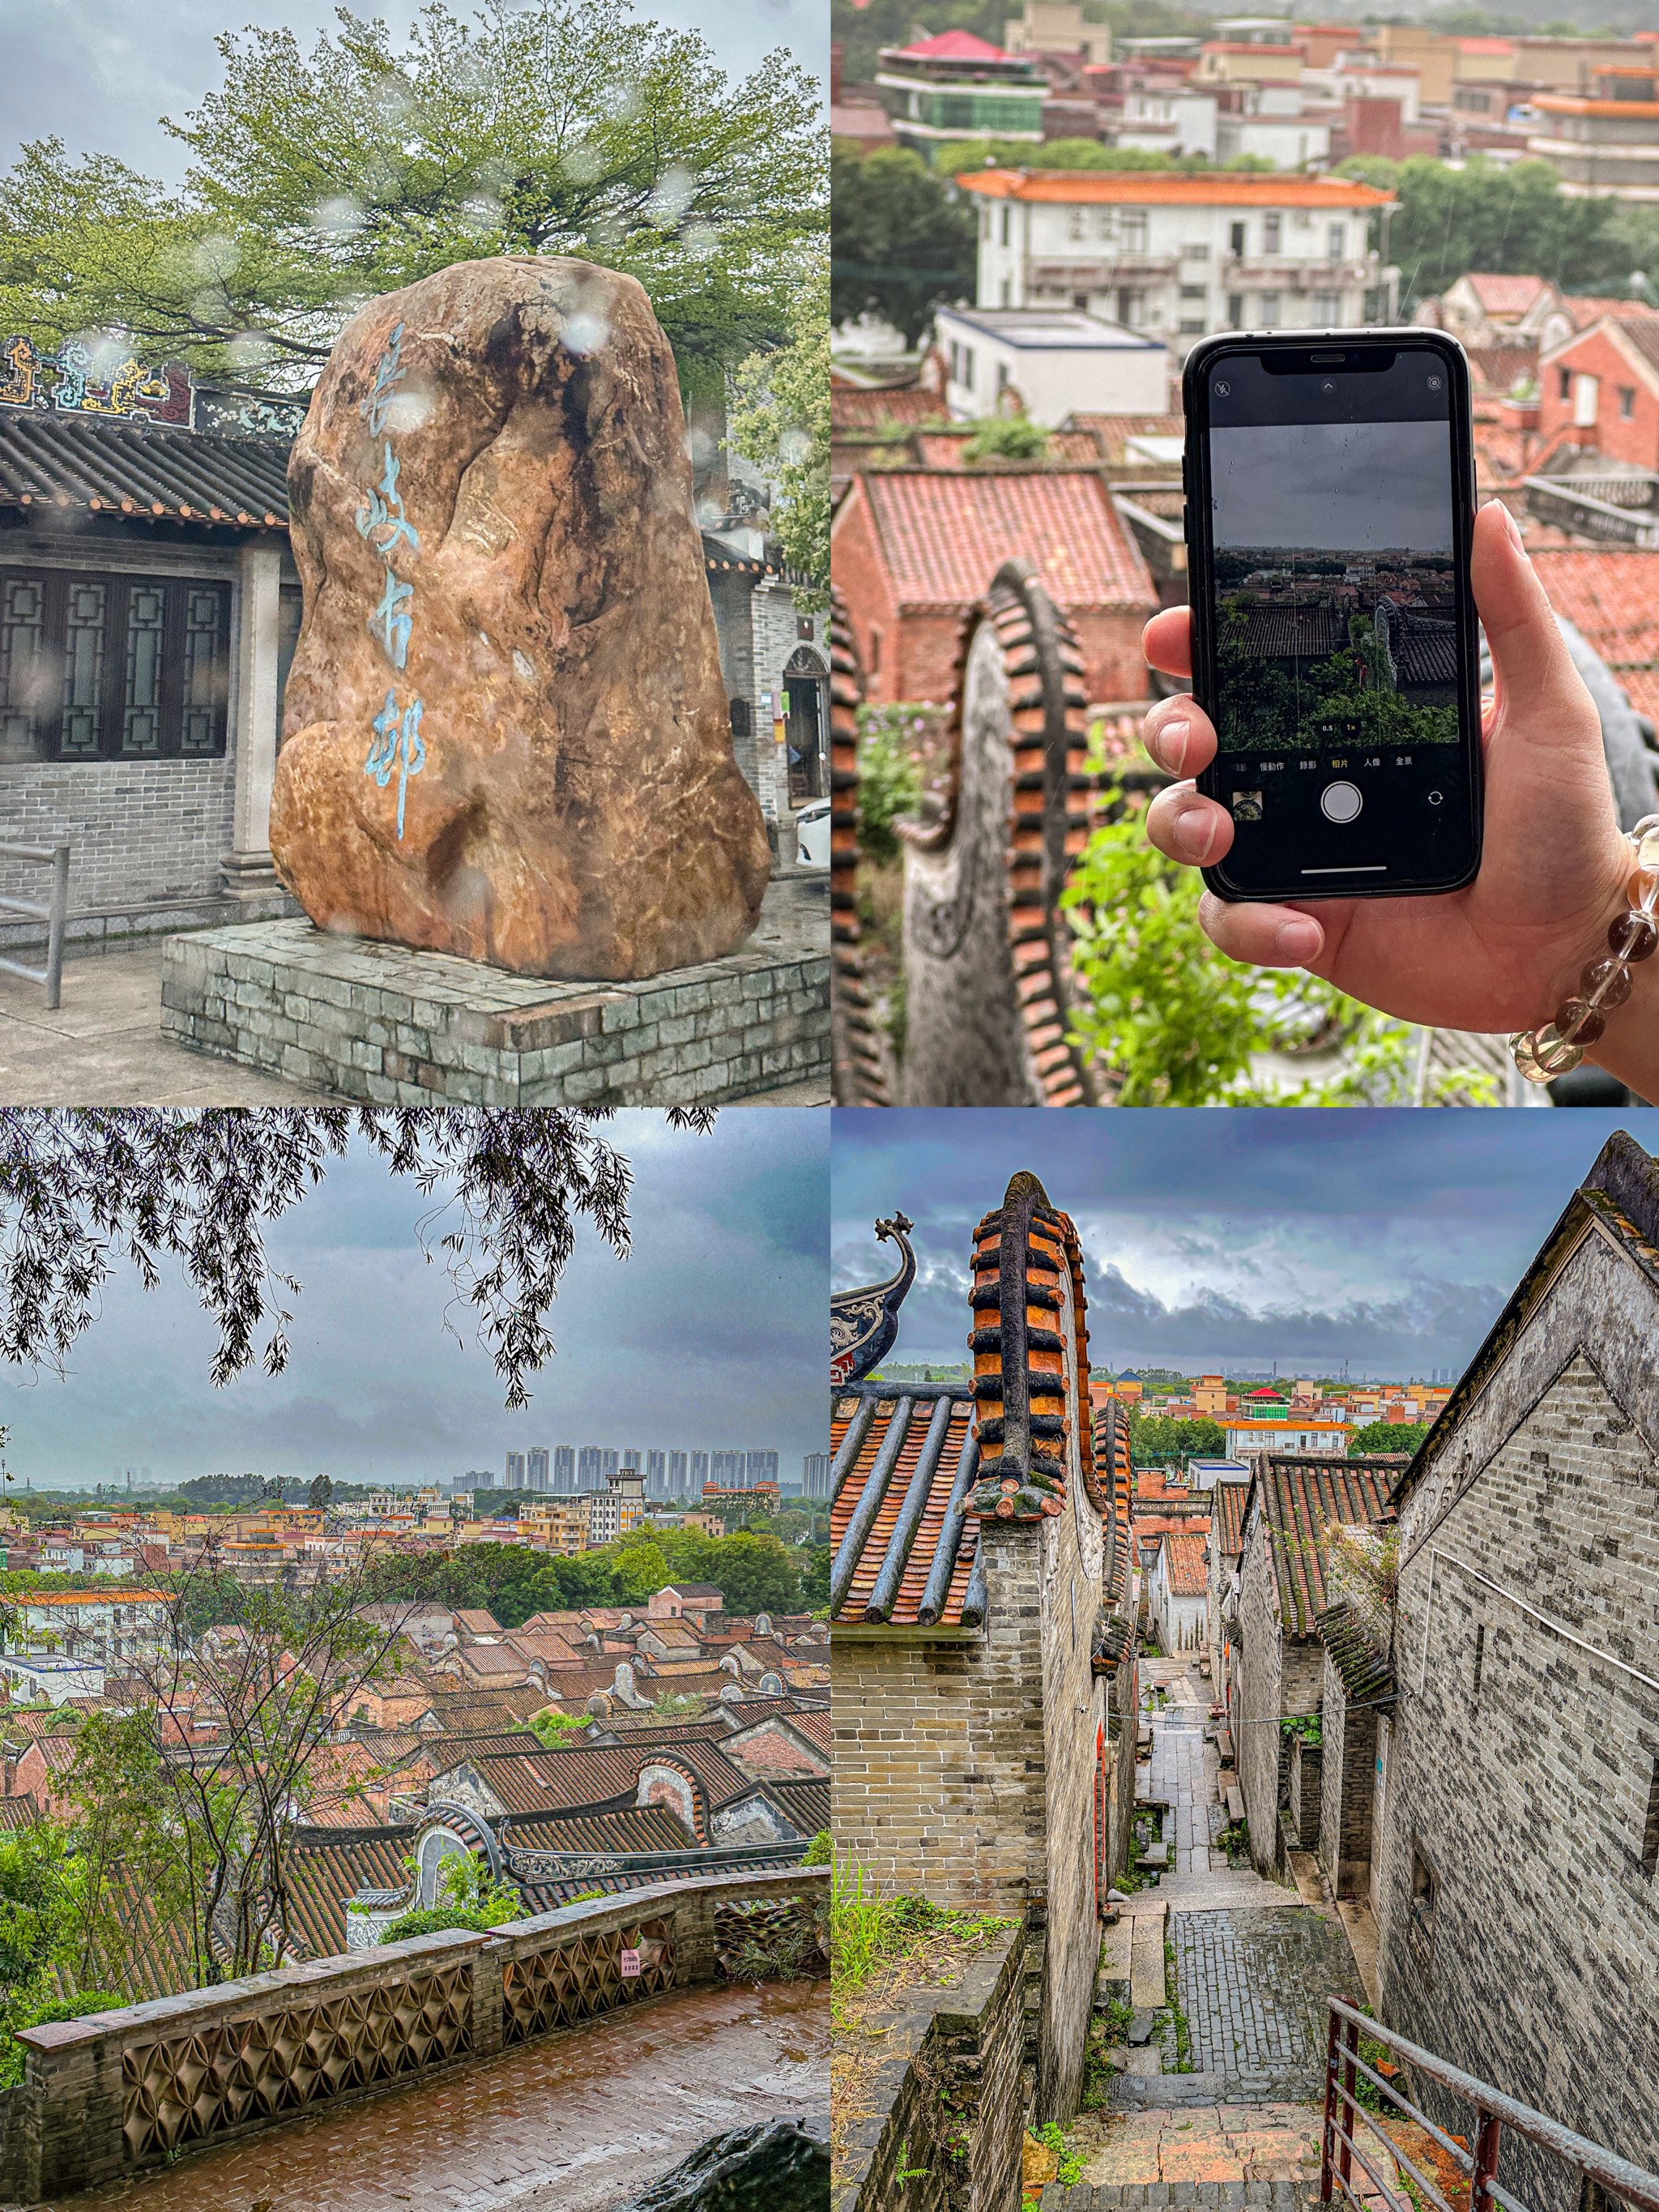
(1330, 501)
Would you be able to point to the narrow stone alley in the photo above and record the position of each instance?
(1230, 2113)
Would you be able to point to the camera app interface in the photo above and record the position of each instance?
(1336, 639)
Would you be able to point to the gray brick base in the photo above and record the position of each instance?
(395, 1028)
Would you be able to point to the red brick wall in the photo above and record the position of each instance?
(1597, 354)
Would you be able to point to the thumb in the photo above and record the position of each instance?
(1529, 657)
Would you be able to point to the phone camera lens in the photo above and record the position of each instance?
(1434, 383)
(1222, 391)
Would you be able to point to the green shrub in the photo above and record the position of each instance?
(25, 2013)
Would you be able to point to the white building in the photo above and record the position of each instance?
(1177, 255)
(1177, 1589)
(1057, 361)
(1244, 1435)
(1177, 120)
(106, 1627)
(38, 1678)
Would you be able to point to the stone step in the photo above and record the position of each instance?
(1147, 2093)
(1172, 2195)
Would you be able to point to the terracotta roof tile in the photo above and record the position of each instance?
(327, 1866)
(895, 405)
(1184, 1566)
(805, 1802)
(955, 46)
(1365, 1674)
(936, 1449)
(1228, 1521)
(944, 535)
(1111, 433)
(1303, 1497)
(1506, 295)
(1610, 594)
(944, 449)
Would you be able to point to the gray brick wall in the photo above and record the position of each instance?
(144, 833)
(1534, 1967)
(1347, 1788)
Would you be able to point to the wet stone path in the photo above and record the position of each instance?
(581, 2121)
(1253, 1984)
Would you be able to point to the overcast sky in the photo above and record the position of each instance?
(1231, 1238)
(711, 1334)
(100, 73)
(1352, 486)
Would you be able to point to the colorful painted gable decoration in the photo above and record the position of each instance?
(67, 382)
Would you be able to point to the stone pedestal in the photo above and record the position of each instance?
(392, 1027)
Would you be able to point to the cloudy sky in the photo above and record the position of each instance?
(1231, 1239)
(99, 73)
(1352, 486)
(711, 1334)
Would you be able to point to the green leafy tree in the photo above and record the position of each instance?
(890, 777)
(780, 420)
(316, 179)
(321, 1493)
(1007, 438)
(1152, 1437)
(1511, 219)
(905, 243)
(1387, 1436)
(558, 1730)
(640, 1567)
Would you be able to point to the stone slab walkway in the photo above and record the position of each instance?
(579, 2121)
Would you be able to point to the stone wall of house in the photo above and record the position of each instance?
(947, 2106)
(1258, 1671)
(1519, 1916)
(1306, 1777)
(1347, 1788)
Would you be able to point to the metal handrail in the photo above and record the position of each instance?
(54, 914)
(1494, 2112)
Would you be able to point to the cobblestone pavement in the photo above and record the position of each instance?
(579, 2121)
(104, 1047)
(1253, 1984)
(1204, 2142)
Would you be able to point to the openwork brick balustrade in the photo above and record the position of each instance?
(119, 2091)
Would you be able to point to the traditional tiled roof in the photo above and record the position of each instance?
(1113, 1638)
(51, 462)
(1184, 1567)
(895, 406)
(1279, 632)
(625, 1828)
(1505, 295)
(903, 1551)
(1495, 370)
(19, 1812)
(327, 1866)
(804, 1801)
(944, 535)
(1115, 1475)
(1300, 1499)
(1610, 594)
(476, 1621)
(1227, 1520)
(812, 1722)
(1145, 188)
(943, 449)
(1366, 1675)
(1027, 1261)
(1111, 433)
(461, 1711)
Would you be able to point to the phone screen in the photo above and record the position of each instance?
(1338, 651)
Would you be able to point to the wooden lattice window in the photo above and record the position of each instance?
(112, 667)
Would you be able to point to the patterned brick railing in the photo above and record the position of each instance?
(111, 2095)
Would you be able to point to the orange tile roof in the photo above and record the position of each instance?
(1143, 187)
(94, 1597)
(957, 46)
(1611, 595)
(945, 535)
(1505, 295)
(1229, 1520)
(852, 407)
(1303, 1497)
(1184, 1566)
(943, 449)
(943, 1539)
(1561, 103)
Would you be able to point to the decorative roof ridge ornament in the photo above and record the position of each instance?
(864, 1323)
(1026, 1413)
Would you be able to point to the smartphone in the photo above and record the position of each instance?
(1329, 482)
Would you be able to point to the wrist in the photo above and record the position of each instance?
(1607, 1016)
(1629, 1046)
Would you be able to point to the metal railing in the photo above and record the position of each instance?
(1340, 2153)
(54, 914)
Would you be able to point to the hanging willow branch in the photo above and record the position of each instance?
(83, 1189)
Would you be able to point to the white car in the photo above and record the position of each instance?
(812, 835)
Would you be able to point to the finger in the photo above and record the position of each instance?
(1529, 656)
(1167, 641)
(1188, 828)
(1179, 736)
(1263, 936)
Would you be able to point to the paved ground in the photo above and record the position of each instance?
(579, 2121)
(104, 1047)
(1253, 1965)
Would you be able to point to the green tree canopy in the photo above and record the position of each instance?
(904, 243)
(1514, 219)
(1154, 1436)
(1387, 1436)
(781, 421)
(318, 179)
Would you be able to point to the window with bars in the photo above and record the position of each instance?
(112, 667)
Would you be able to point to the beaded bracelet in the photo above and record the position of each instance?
(1556, 1046)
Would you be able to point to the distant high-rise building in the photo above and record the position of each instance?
(677, 1476)
(656, 1473)
(630, 1459)
(608, 1464)
(564, 1468)
(516, 1471)
(728, 1468)
(762, 1466)
(536, 1466)
(699, 1472)
(815, 1474)
(589, 1467)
